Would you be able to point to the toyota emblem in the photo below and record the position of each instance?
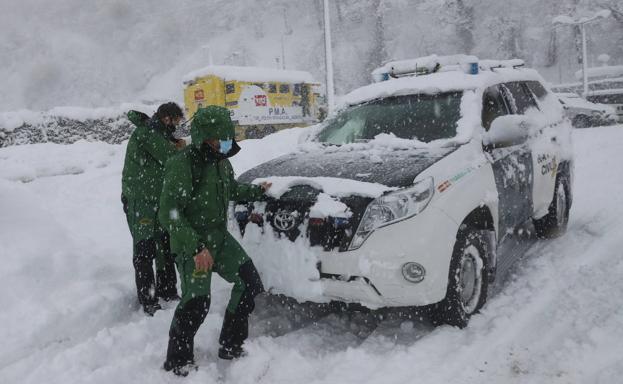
(284, 220)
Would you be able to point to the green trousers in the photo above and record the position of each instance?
(227, 261)
(232, 264)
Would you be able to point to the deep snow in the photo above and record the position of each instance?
(69, 313)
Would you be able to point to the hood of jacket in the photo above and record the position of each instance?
(211, 122)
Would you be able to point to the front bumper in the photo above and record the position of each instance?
(372, 274)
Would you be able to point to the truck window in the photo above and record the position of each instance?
(521, 97)
(261, 85)
(230, 88)
(297, 89)
(272, 88)
(493, 106)
(284, 88)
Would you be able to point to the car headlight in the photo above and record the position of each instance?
(393, 207)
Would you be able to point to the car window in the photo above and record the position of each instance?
(422, 117)
(537, 89)
(520, 97)
(493, 106)
(616, 98)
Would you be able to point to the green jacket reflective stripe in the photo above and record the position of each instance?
(149, 147)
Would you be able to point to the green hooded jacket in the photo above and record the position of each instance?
(150, 146)
(198, 185)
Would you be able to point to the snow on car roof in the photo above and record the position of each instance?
(437, 82)
(229, 72)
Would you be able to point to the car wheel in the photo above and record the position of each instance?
(468, 281)
(581, 121)
(555, 222)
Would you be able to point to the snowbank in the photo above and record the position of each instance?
(14, 119)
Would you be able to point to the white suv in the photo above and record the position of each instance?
(414, 187)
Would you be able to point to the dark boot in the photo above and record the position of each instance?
(230, 353)
(183, 370)
(144, 254)
(150, 309)
(184, 326)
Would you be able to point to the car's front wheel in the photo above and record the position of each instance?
(467, 280)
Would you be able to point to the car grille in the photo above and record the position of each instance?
(289, 217)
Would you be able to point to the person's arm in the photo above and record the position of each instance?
(155, 144)
(176, 194)
(243, 191)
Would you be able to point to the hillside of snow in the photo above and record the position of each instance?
(68, 310)
(101, 53)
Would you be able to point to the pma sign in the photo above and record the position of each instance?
(277, 111)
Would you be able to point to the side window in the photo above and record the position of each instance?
(493, 106)
(272, 88)
(521, 97)
(230, 88)
(284, 88)
(297, 89)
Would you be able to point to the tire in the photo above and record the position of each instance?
(468, 281)
(554, 224)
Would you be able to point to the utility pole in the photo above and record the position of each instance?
(584, 61)
(581, 22)
(328, 57)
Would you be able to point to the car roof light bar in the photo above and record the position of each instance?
(431, 64)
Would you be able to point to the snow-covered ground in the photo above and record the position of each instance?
(68, 311)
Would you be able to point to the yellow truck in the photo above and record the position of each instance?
(260, 100)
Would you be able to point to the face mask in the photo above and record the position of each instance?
(225, 146)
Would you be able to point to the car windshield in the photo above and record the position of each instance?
(422, 117)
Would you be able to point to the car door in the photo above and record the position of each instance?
(512, 167)
(545, 147)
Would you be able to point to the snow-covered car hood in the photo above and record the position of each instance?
(397, 168)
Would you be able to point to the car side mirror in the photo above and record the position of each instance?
(507, 131)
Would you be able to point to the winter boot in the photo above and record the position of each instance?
(180, 370)
(151, 308)
(230, 353)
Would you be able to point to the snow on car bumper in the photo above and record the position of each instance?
(372, 275)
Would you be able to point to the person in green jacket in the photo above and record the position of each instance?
(149, 147)
(198, 185)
